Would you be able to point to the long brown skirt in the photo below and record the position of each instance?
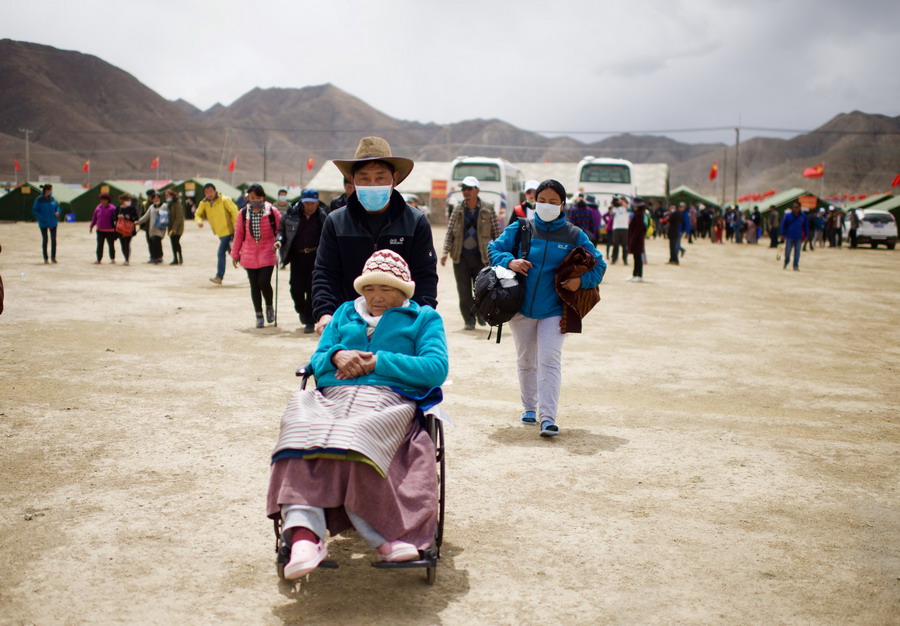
(401, 506)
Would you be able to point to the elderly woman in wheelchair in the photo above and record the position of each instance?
(352, 451)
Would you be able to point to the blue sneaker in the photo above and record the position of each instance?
(549, 429)
(529, 418)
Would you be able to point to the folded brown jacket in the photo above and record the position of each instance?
(576, 304)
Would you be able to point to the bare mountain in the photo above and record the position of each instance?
(861, 153)
(80, 107)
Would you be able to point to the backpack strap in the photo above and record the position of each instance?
(523, 239)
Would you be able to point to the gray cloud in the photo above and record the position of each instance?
(586, 65)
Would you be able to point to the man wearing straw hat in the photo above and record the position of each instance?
(376, 218)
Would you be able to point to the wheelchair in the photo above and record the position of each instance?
(428, 559)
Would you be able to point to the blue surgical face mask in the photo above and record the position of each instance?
(374, 198)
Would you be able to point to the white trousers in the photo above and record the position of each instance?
(539, 363)
(313, 518)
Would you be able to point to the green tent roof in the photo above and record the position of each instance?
(868, 201)
(16, 205)
(272, 189)
(781, 200)
(679, 193)
(888, 204)
(83, 206)
(221, 186)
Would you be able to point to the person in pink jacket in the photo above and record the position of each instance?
(254, 247)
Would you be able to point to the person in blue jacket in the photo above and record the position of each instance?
(46, 212)
(794, 228)
(536, 327)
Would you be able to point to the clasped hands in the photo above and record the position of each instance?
(353, 363)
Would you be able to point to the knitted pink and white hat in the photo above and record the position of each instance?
(386, 267)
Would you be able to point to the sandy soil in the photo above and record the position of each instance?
(729, 451)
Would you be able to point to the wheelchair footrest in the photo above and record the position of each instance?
(428, 559)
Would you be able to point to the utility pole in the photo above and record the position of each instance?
(27, 132)
(224, 153)
(449, 157)
(737, 148)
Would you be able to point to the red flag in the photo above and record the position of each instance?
(814, 172)
(894, 182)
(19, 167)
(233, 164)
(86, 167)
(714, 171)
(154, 164)
(310, 163)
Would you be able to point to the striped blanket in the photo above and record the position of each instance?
(363, 419)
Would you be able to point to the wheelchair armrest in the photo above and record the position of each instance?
(305, 371)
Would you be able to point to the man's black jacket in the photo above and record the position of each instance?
(346, 244)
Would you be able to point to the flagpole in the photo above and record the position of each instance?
(724, 176)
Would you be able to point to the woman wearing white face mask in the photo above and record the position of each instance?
(537, 326)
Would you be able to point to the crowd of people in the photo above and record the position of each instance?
(363, 275)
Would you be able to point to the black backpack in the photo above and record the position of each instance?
(498, 299)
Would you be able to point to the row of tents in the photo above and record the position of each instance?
(652, 182)
(78, 203)
(784, 200)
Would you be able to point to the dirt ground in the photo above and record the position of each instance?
(729, 450)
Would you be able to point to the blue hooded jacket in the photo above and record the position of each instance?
(44, 210)
(545, 254)
(794, 226)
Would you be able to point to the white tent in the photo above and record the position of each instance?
(651, 179)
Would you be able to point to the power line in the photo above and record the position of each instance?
(663, 131)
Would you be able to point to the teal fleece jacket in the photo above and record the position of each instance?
(541, 300)
(409, 341)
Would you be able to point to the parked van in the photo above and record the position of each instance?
(501, 183)
(875, 226)
(604, 178)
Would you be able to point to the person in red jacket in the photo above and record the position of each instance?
(254, 247)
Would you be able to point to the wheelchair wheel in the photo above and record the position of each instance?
(282, 554)
(436, 432)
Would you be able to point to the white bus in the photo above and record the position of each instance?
(501, 183)
(605, 178)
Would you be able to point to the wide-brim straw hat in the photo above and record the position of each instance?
(375, 149)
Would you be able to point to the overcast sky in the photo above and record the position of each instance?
(563, 65)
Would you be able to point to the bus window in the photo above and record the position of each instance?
(484, 172)
(605, 173)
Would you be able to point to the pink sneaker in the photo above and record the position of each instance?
(397, 551)
(305, 557)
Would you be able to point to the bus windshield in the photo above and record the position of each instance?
(484, 172)
(605, 173)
